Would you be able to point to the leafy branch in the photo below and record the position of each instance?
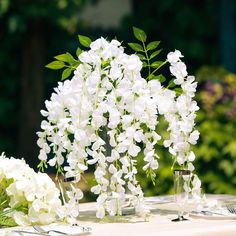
(67, 61)
(147, 54)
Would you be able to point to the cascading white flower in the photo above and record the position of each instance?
(181, 118)
(105, 111)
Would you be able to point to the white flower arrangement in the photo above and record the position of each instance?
(108, 113)
(26, 197)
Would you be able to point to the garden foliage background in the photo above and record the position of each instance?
(32, 32)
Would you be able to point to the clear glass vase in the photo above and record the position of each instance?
(181, 188)
(70, 194)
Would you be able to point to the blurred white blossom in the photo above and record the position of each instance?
(35, 192)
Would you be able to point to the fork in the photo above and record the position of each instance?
(41, 230)
(86, 230)
(21, 232)
(231, 209)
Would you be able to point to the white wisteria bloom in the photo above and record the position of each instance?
(181, 121)
(107, 114)
(174, 57)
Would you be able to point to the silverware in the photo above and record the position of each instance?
(85, 229)
(231, 209)
(41, 230)
(209, 213)
(213, 213)
(29, 232)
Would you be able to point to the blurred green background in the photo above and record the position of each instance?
(32, 32)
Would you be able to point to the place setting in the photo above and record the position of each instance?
(222, 212)
(209, 207)
(218, 209)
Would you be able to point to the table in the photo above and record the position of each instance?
(159, 223)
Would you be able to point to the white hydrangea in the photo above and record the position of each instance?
(105, 111)
(35, 191)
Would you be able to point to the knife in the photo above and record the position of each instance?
(29, 232)
(209, 213)
(45, 234)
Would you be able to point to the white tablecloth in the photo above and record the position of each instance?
(159, 223)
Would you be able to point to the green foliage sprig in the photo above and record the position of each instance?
(147, 52)
(67, 61)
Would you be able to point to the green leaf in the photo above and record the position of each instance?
(4, 198)
(153, 45)
(151, 76)
(144, 127)
(66, 57)
(171, 84)
(55, 65)
(178, 91)
(142, 57)
(136, 47)
(160, 77)
(154, 54)
(61, 57)
(85, 41)
(78, 51)
(151, 174)
(139, 34)
(156, 64)
(70, 58)
(145, 64)
(75, 64)
(7, 221)
(66, 73)
(42, 165)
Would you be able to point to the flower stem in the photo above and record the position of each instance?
(162, 64)
(148, 60)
